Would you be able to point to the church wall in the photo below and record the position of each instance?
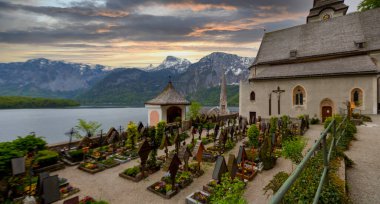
(338, 89)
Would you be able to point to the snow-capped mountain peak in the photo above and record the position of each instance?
(175, 64)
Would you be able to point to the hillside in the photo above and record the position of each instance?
(210, 96)
(8, 102)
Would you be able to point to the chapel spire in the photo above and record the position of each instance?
(326, 9)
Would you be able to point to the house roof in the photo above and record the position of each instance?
(169, 96)
(337, 35)
(362, 64)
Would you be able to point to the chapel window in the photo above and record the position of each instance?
(299, 96)
(357, 96)
(253, 96)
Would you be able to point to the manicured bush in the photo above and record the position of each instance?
(133, 135)
(253, 136)
(46, 158)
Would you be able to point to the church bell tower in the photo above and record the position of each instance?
(323, 10)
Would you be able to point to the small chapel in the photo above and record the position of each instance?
(169, 106)
(317, 68)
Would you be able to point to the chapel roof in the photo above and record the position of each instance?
(338, 35)
(169, 96)
(362, 64)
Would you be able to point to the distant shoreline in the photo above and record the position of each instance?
(23, 102)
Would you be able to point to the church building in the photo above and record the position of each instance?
(317, 67)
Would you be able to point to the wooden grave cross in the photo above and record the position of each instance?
(198, 153)
(172, 165)
(143, 152)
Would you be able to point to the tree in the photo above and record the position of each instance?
(253, 136)
(133, 135)
(368, 5)
(194, 109)
(88, 128)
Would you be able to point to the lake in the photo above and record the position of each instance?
(53, 123)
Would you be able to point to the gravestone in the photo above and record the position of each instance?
(140, 126)
(143, 152)
(232, 165)
(198, 152)
(172, 165)
(18, 165)
(50, 190)
(242, 155)
(41, 178)
(220, 168)
(185, 154)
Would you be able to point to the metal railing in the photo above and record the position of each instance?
(335, 131)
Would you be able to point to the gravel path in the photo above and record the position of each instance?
(108, 186)
(254, 193)
(363, 178)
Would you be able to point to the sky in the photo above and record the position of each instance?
(136, 33)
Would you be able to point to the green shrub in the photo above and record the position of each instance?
(7, 152)
(338, 118)
(29, 143)
(46, 158)
(133, 135)
(76, 155)
(273, 125)
(253, 136)
(276, 182)
(228, 191)
(314, 121)
(292, 149)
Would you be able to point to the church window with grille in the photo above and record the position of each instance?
(299, 96)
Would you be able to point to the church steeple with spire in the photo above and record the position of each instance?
(223, 95)
(324, 10)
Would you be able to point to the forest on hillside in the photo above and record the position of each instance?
(8, 102)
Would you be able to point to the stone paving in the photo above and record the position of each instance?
(364, 177)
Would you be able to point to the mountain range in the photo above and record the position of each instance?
(101, 85)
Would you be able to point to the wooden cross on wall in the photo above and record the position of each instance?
(279, 92)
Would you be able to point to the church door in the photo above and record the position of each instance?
(173, 113)
(252, 117)
(326, 112)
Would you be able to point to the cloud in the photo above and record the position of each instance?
(140, 27)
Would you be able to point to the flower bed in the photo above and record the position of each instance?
(133, 174)
(131, 154)
(195, 171)
(247, 174)
(90, 200)
(120, 158)
(109, 163)
(90, 167)
(198, 197)
(209, 187)
(163, 189)
(68, 191)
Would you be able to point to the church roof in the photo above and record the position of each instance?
(169, 96)
(336, 36)
(361, 64)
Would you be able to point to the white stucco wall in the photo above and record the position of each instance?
(165, 109)
(338, 89)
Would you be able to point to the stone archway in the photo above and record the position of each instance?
(173, 113)
(327, 108)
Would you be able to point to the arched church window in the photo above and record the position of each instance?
(253, 96)
(299, 96)
(357, 96)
